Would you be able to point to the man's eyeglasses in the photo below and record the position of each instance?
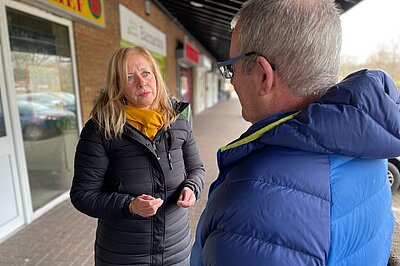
(226, 67)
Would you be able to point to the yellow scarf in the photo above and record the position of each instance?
(145, 120)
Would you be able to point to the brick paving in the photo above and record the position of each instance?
(214, 128)
(64, 236)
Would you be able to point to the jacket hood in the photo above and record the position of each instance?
(358, 117)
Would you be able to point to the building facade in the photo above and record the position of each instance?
(53, 56)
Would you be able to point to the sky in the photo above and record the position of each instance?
(369, 25)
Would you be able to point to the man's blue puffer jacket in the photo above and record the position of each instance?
(308, 188)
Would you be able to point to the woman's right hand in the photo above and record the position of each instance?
(145, 205)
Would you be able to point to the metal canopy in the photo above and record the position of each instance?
(208, 21)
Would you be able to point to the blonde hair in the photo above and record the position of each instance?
(108, 110)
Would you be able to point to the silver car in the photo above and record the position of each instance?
(394, 173)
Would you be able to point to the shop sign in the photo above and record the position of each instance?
(89, 10)
(191, 53)
(136, 30)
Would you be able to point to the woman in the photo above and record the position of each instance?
(137, 167)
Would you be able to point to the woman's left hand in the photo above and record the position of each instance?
(187, 198)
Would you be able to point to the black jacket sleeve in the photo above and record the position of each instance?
(193, 163)
(88, 193)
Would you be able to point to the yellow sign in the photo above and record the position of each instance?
(89, 10)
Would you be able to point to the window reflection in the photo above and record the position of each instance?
(43, 77)
(39, 121)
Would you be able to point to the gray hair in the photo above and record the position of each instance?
(300, 38)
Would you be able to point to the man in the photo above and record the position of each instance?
(306, 184)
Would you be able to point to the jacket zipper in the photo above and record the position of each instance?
(155, 150)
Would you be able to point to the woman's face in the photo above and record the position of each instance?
(141, 88)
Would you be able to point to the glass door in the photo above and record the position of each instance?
(45, 95)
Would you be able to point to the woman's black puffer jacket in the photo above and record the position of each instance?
(108, 173)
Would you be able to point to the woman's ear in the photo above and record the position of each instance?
(266, 75)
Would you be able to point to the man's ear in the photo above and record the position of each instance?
(266, 77)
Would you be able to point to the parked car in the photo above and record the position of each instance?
(54, 100)
(68, 98)
(394, 173)
(39, 121)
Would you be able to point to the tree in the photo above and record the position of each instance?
(386, 58)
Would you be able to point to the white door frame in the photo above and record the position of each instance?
(7, 151)
(30, 215)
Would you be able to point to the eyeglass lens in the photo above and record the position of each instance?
(227, 71)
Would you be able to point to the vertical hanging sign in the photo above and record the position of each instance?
(191, 53)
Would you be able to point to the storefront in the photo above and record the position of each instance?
(53, 57)
(209, 84)
(39, 112)
(187, 61)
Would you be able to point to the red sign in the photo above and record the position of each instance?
(191, 53)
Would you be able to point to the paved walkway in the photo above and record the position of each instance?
(63, 236)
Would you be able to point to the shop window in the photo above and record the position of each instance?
(44, 88)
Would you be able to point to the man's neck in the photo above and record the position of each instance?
(284, 100)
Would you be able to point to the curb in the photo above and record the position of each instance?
(394, 259)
